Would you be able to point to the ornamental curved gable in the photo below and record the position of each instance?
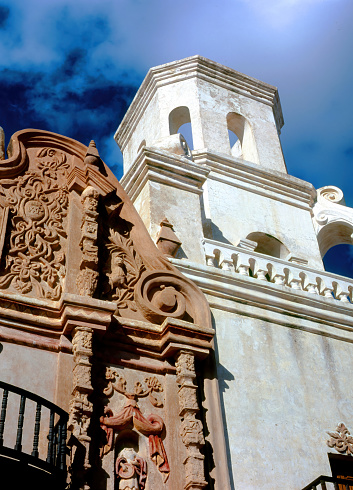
(67, 227)
(333, 221)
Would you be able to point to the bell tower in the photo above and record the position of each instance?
(214, 99)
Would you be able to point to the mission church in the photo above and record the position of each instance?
(177, 329)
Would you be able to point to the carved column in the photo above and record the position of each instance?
(80, 407)
(88, 276)
(191, 429)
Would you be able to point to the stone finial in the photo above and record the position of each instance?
(92, 156)
(167, 241)
(2, 144)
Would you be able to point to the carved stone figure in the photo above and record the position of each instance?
(131, 470)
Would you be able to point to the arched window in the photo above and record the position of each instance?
(268, 245)
(180, 122)
(335, 243)
(339, 260)
(241, 139)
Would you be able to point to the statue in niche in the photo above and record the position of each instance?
(131, 470)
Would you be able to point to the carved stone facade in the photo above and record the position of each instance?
(87, 278)
(109, 327)
(81, 407)
(191, 430)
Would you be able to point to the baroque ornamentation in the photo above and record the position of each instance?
(191, 429)
(131, 470)
(81, 407)
(341, 440)
(130, 415)
(153, 385)
(331, 193)
(124, 268)
(38, 205)
(87, 278)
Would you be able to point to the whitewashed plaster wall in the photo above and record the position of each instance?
(282, 389)
(236, 212)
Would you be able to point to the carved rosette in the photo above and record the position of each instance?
(87, 278)
(80, 407)
(191, 429)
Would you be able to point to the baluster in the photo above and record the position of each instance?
(62, 458)
(57, 445)
(50, 438)
(227, 265)
(262, 274)
(323, 485)
(35, 452)
(18, 445)
(335, 485)
(279, 279)
(3, 415)
(295, 283)
(210, 260)
(328, 292)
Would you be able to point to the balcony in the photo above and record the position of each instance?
(329, 482)
(293, 273)
(32, 441)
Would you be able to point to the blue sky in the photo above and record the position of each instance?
(73, 67)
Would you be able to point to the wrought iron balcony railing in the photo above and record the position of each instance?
(38, 436)
(333, 483)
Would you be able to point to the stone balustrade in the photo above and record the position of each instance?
(287, 273)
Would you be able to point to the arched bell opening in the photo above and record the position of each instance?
(241, 138)
(336, 247)
(268, 245)
(180, 122)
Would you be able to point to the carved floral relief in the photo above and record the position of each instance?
(34, 253)
(341, 440)
(124, 268)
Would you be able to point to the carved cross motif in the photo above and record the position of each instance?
(341, 440)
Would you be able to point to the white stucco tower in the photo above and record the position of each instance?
(252, 238)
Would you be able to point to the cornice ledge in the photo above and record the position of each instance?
(170, 333)
(244, 174)
(85, 311)
(248, 294)
(203, 69)
(163, 167)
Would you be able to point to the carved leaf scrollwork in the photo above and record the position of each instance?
(126, 267)
(341, 440)
(118, 383)
(38, 205)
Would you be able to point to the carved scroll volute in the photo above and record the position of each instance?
(162, 293)
(87, 278)
(191, 429)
